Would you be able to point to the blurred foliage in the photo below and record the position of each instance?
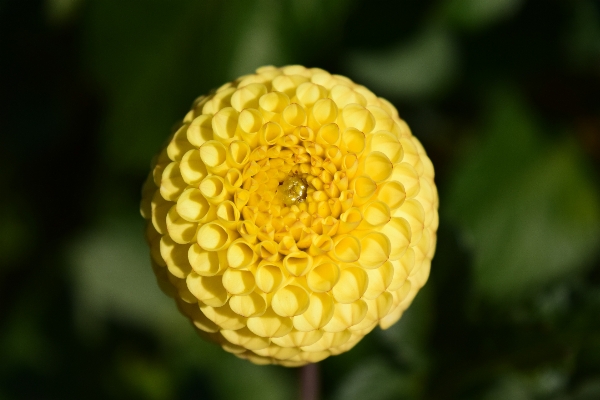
(504, 95)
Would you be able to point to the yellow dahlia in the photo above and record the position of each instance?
(291, 212)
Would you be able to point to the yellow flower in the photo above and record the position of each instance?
(290, 213)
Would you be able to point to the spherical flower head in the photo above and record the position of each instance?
(291, 212)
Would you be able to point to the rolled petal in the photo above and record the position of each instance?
(214, 237)
(200, 130)
(351, 285)
(192, 168)
(290, 300)
(323, 277)
(270, 325)
(208, 289)
(205, 263)
(298, 263)
(214, 155)
(238, 282)
(269, 277)
(317, 315)
(250, 305)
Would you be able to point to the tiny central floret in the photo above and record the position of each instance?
(294, 190)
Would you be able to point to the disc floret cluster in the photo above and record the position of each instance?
(291, 212)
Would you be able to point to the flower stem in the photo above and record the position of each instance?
(309, 382)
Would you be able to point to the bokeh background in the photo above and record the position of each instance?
(504, 95)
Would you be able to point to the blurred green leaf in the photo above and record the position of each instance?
(529, 211)
(153, 60)
(260, 40)
(16, 229)
(583, 37)
(421, 68)
(22, 342)
(545, 383)
(239, 379)
(476, 14)
(374, 379)
(409, 337)
(60, 11)
(589, 390)
(150, 380)
(112, 279)
(511, 388)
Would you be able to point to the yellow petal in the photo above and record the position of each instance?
(238, 282)
(192, 168)
(376, 249)
(175, 256)
(200, 130)
(351, 285)
(324, 112)
(240, 254)
(399, 233)
(214, 237)
(192, 206)
(244, 338)
(181, 230)
(247, 96)
(290, 300)
(298, 338)
(323, 277)
(317, 315)
(346, 248)
(269, 277)
(270, 325)
(388, 144)
(224, 317)
(214, 156)
(346, 316)
(179, 145)
(358, 117)
(208, 289)
(205, 263)
(379, 280)
(298, 263)
(172, 183)
(250, 305)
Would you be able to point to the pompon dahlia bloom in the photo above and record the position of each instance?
(291, 212)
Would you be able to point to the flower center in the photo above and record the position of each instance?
(293, 189)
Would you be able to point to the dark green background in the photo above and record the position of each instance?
(504, 95)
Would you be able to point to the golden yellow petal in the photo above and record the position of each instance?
(214, 156)
(179, 229)
(205, 263)
(208, 289)
(376, 248)
(214, 237)
(317, 315)
(172, 183)
(289, 301)
(192, 168)
(175, 256)
(247, 96)
(298, 338)
(351, 285)
(224, 317)
(249, 305)
(270, 325)
(346, 316)
(200, 130)
(179, 145)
